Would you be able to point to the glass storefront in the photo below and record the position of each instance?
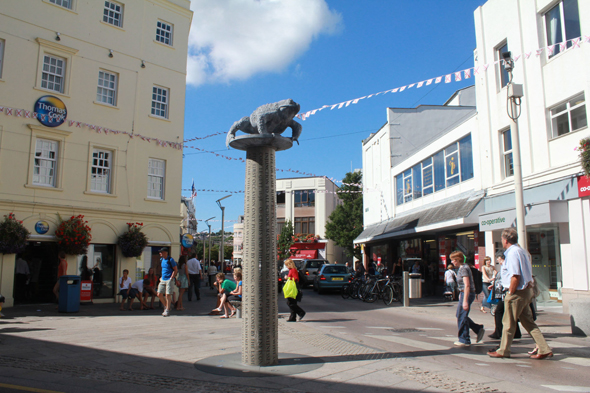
(543, 245)
(101, 260)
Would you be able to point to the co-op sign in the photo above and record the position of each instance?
(499, 220)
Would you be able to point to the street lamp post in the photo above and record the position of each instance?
(209, 225)
(221, 249)
(515, 93)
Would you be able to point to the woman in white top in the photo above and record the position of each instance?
(451, 280)
(488, 274)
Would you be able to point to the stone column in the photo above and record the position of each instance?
(260, 309)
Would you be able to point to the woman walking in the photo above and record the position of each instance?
(183, 279)
(292, 303)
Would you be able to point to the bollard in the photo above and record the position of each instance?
(239, 312)
(406, 276)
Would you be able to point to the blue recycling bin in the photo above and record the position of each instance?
(69, 294)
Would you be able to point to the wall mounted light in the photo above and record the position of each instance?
(142, 64)
(110, 53)
(57, 36)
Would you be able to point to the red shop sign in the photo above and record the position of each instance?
(583, 186)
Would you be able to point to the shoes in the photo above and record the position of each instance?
(495, 354)
(166, 313)
(301, 316)
(494, 336)
(541, 356)
(483, 310)
(480, 334)
(291, 320)
(534, 351)
(460, 344)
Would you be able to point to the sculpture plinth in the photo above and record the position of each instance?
(260, 329)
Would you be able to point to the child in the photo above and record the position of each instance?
(225, 288)
(124, 287)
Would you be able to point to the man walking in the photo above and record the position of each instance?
(167, 281)
(195, 273)
(517, 279)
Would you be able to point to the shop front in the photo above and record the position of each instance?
(544, 223)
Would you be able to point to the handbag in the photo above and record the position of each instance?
(290, 289)
(491, 299)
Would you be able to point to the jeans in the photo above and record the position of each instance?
(464, 323)
(486, 293)
(195, 282)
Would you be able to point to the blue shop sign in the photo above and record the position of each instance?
(42, 227)
(187, 240)
(51, 111)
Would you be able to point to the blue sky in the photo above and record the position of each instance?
(246, 53)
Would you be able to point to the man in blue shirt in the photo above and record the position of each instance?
(517, 279)
(168, 280)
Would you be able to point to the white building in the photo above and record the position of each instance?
(238, 252)
(552, 122)
(308, 203)
(422, 183)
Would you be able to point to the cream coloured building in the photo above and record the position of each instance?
(91, 114)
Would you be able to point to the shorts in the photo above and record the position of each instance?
(166, 286)
(124, 293)
(133, 293)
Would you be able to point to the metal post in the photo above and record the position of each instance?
(406, 276)
(209, 225)
(514, 95)
(221, 250)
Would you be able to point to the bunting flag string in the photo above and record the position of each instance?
(456, 76)
(204, 137)
(78, 124)
(290, 192)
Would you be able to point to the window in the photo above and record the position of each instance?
(156, 175)
(280, 225)
(447, 167)
(52, 77)
(427, 176)
(106, 92)
(1, 56)
(164, 33)
(45, 163)
(160, 102)
(569, 116)
(62, 3)
(507, 153)
(466, 154)
(113, 13)
(100, 179)
(305, 198)
(562, 23)
(503, 76)
(280, 197)
(452, 164)
(305, 225)
(408, 185)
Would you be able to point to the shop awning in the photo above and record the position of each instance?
(306, 254)
(534, 214)
(460, 211)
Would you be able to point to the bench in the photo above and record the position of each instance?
(237, 304)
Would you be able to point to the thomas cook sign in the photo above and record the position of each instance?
(51, 111)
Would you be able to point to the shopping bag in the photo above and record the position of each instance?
(290, 289)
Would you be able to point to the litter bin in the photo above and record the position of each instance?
(69, 294)
(415, 285)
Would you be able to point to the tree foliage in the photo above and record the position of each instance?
(285, 241)
(346, 221)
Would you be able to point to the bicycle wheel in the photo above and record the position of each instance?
(371, 294)
(398, 292)
(387, 295)
(356, 285)
(345, 291)
(362, 291)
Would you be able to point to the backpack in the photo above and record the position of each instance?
(477, 280)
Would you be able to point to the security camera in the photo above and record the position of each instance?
(506, 55)
(57, 36)
(110, 53)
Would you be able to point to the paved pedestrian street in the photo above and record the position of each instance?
(340, 346)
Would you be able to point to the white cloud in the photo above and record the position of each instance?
(235, 39)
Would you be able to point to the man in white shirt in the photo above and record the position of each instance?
(195, 273)
(136, 291)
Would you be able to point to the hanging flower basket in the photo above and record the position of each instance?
(13, 235)
(133, 241)
(584, 149)
(73, 235)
